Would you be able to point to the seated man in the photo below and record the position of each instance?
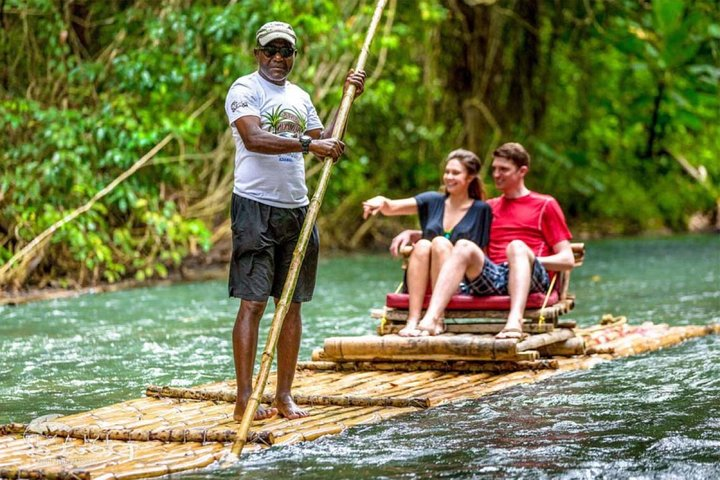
(528, 237)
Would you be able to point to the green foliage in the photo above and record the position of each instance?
(606, 100)
(640, 91)
(61, 150)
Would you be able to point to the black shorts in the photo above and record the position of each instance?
(264, 239)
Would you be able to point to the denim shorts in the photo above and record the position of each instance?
(493, 280)
(264, 239)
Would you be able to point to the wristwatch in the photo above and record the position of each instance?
(305, 143)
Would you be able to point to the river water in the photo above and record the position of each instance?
(652, 416)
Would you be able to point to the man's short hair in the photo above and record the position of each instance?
(513, 152)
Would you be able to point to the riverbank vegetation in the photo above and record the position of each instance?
(617, 101)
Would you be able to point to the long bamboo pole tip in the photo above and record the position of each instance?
(228, 460)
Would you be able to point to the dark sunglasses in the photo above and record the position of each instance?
(285, 52)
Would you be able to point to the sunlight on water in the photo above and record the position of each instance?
(655, 415)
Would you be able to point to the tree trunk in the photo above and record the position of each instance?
(492, 59)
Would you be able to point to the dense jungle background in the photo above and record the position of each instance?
(616, 100)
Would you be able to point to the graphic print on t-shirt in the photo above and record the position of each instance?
(285, 122)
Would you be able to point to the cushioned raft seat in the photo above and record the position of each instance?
(470, 302)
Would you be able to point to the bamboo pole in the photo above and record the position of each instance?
(441, 347)
(448, 366)
(38, 473)
(534, 342)
(299, 253)
(336, 400)
(600, 350)
(570, 347)
(167, 435)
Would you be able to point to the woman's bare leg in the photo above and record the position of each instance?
(418, 275)
(466, 260)
(441, 251)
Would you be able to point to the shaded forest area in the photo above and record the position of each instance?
(617, 101)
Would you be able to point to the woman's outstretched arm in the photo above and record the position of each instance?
(388, 207)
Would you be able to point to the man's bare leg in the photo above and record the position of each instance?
(418, 274)
(287, 353)
(520, 262)
(466, 259)
(245, 339)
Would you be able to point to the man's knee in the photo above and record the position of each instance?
(251, 309)
(518, 250)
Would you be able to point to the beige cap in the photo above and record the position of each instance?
(274, 30)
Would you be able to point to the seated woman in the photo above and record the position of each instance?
(445, 218)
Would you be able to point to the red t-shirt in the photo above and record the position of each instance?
(536, 219)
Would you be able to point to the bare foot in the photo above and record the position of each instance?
(410, 329)
(261, 413)
(435, 326)
(287, 407)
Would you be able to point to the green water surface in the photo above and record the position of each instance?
(652, 416)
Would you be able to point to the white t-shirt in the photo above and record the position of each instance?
(276, 180)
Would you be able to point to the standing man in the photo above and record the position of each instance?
(528, 237)
(273, 123)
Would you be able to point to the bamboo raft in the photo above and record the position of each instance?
(350, 382)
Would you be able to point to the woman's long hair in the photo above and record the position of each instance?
(472, 164)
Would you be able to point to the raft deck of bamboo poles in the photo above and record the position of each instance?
(172, 430)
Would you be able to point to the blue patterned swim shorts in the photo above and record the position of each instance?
(493, 280)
